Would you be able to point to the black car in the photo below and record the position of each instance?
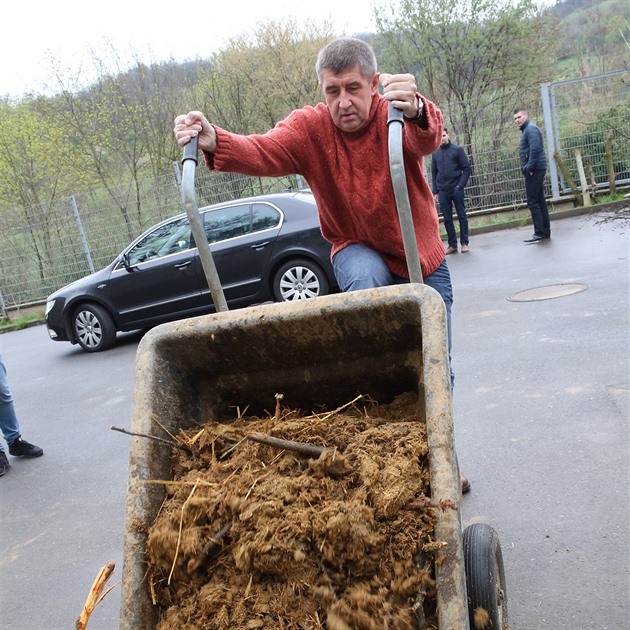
(265, 248)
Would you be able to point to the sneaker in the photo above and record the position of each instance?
(21, 448)
(451, 250)
(4, 463)
(465, 249)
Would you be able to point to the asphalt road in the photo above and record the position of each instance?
(541, 415)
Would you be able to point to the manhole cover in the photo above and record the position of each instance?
(547, 293)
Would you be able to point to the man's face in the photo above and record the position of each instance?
(520, 118)
(445, 138)
(349, 97)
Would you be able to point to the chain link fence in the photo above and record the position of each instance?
(44, 248)
(590, 116)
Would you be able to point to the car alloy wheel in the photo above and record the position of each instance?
(94, 328)
(299, 280)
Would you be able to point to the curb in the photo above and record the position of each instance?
(37, 322)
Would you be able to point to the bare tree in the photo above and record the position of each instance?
(257, 80)
(473, 57)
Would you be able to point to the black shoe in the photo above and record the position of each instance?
(534, 239)
(21, 448)
(4, 463)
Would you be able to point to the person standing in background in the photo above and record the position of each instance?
(10, 426)
(450, 170)
(533, 167)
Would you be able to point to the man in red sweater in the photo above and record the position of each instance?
(341, 149)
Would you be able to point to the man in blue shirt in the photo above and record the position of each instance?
(450, 170)
(533, 167)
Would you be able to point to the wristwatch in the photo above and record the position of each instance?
(418, 116)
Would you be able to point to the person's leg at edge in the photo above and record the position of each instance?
(8, 419)
(446, 205)
(10, 427)
(460, 208)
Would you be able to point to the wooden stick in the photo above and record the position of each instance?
(93, 598)
(213, 546)
(279, 398)
(153, 437)
(303, 448)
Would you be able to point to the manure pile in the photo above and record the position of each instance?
(333, 532)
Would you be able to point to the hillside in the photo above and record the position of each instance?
(595, 36)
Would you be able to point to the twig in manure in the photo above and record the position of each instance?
(212, 547)
(303, 448)
(153, 437)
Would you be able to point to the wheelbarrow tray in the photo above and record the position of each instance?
(317, 353)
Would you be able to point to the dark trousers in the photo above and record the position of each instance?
(448, 198)
(536, 203)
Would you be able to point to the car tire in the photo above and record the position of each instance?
(93, 328)
(485, 578)
(299, 279)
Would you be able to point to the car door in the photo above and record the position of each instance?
(157, 279)
(241, 237)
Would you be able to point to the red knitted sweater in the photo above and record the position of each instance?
(349, 176)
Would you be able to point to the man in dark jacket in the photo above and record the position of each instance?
(450, 169)
(533, 167)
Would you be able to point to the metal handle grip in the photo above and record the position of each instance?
(189, 199)
(395, 123)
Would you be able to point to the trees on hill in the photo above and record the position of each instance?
(471, 56)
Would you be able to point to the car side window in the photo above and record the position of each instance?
(167, 239)
(264, 217)
(225, 223)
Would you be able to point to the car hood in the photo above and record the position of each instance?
(80, 285)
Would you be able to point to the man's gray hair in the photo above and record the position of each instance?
(344, 53)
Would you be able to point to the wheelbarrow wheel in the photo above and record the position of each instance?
(299, 279)
(485, 578)
(93, 327)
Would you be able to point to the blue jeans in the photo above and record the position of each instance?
(360, 267)
(448, 199)
(8, 420)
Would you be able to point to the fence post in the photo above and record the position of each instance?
(586, 197)
(178, 175)
(3, 308)
(551, 145)
(86, 249)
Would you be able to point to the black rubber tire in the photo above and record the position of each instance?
(93, 328)
(485, 578)
(299, 279)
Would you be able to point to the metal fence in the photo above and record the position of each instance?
(590, 115)
(44, 248)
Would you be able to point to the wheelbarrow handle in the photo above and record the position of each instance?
(191, 150)
(189, 199)
(395, 123)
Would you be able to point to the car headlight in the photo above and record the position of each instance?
(49, 306)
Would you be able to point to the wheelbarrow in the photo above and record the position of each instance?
(387, 341)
